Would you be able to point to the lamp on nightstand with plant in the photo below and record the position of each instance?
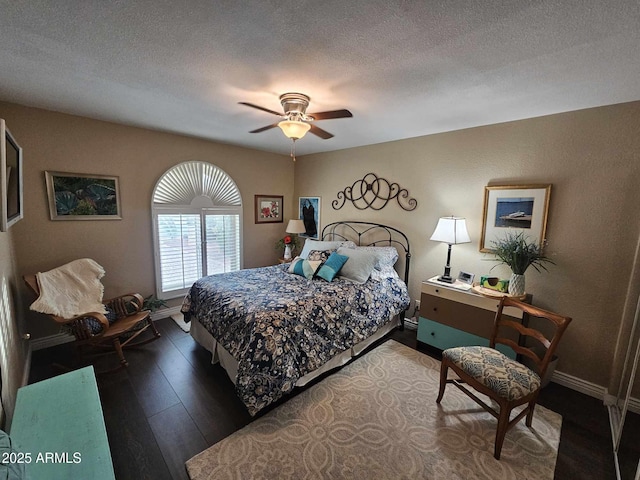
(452, 231)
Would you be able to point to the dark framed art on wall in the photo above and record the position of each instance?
(309, 213)
(268, 208)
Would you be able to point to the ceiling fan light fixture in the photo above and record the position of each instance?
(295, 129)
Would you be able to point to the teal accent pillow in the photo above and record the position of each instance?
(304, 268)
(332, 266)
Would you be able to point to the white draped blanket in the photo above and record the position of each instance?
(71, 290)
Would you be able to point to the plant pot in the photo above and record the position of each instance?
(516, 285)
(287, 252)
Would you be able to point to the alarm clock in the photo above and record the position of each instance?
(466, 277)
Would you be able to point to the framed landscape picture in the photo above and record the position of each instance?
(517, 209)
(309, 213)
(268, 208)
(77, 196)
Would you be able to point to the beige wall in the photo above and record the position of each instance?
(592, 159)
(14, 352)
(58, 142)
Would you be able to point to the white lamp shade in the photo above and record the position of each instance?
(451, 230)
(295, 226)
(294, 128)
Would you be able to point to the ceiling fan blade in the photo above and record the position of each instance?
(331, 114)
(268, 127)
(320, 133)
(261, 108)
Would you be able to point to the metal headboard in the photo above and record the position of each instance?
(370, 234)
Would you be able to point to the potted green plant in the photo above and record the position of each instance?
(518, 253)
(152, 303)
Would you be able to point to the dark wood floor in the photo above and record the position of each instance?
(171, 403)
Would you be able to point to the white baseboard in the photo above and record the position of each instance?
(634, 403)
(165, 312)
(51, 341)
(579, 385)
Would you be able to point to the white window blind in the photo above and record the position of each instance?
(180, 247)
(197, 214)
(223, 246)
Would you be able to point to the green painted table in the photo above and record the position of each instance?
(58, 426)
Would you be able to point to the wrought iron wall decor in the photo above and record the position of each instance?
(375, 193)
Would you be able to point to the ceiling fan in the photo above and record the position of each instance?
(296, 121)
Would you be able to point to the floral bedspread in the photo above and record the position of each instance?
(281, 326)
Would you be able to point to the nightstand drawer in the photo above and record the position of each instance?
(443, 337)
(468, 298)
(460, 316)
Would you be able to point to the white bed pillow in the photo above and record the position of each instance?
(387, 256)
(323, 245)
(383, 273)
(359, 266)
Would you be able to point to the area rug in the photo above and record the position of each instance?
(179, 319)
(377, 419)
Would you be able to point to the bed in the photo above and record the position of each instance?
(273, 328)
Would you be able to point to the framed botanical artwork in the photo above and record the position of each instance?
(309, 213)
(268, 208)
(77, 196)
(517, 209)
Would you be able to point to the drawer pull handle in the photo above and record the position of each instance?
(437, 291)
(435, 309)
(433, 334)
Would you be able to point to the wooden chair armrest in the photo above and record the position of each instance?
(131, 302)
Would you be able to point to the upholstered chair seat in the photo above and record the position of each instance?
(493, 369)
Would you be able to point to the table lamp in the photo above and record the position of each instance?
(450, 230)
(295, 227)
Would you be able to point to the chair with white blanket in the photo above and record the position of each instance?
(72, 296)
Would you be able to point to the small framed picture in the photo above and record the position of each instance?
(309, 213)
(268, 208)
(466, 277)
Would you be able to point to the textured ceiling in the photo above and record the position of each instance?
(404, 68)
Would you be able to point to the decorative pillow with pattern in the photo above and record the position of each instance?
(319, 255)
(304, 268)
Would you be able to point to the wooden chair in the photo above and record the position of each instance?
(506, 381)
(128, 321)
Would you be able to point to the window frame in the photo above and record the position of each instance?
(195, 209)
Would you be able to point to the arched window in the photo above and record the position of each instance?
(197, 226)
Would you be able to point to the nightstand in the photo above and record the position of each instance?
(282, 260)
(450, 317)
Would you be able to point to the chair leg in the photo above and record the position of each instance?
(156, 333)
(444, 369)
(532, 405)
(501, 431)
(118, 347)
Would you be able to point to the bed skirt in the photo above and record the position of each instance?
(220, 355)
